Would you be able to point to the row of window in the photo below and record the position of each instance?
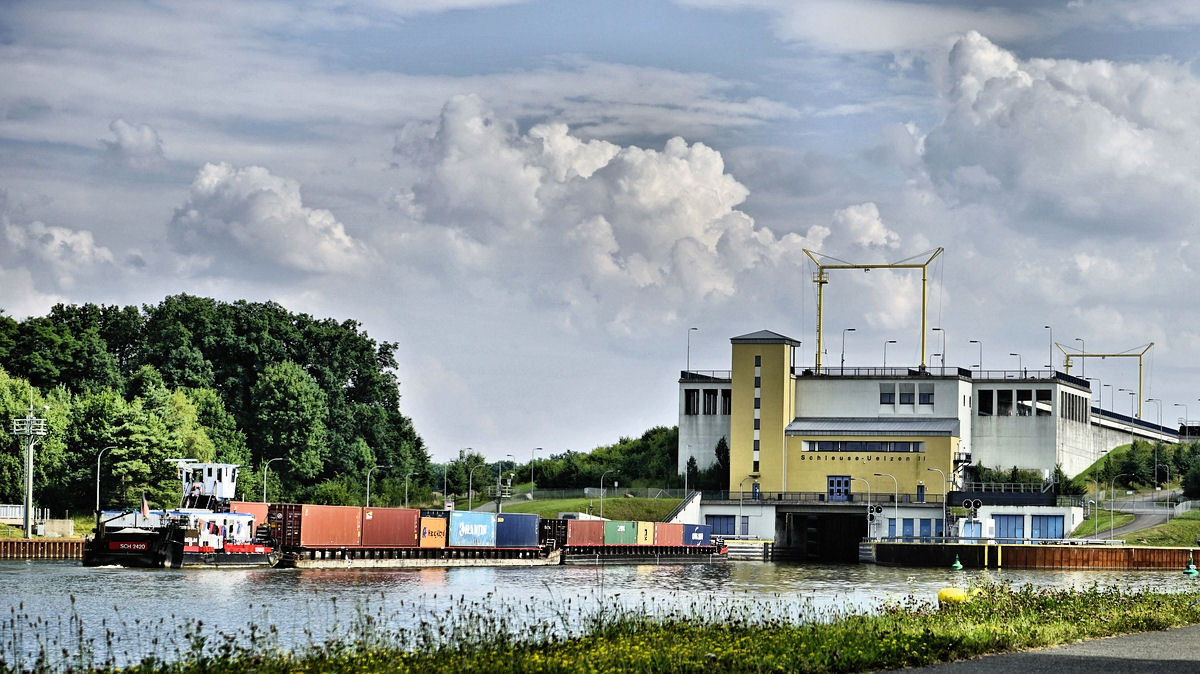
(862, 446)
(715, 401)
(906, 392)
(1007, 402)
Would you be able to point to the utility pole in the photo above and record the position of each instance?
(32, 428)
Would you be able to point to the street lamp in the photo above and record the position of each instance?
(265, 466)
(1100, 385)
(406, 487)
(1157, 403)
(369, 471)
(868, 483)
(1095, 519)
(844, 331)
(1185, 419)
(741, 498)
(611, 470)
(896, 496)
(943, 354)
(1051, 365)
(890, 341)
(1020, 362)
(1168, 504)
(1111, 488)
(980, 365)
(1082, 361)
(1111, 404)
(531, 455)
(689, 348)
(470, 484)
(944, 516)
(98, 482)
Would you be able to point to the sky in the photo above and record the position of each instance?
(537, 200)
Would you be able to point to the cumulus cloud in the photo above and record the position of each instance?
(64, 253)
(134, 146)
(246, 221)
(863, 224)
(593, 226)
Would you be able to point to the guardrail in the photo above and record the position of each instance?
(994, 540)
(815, 497)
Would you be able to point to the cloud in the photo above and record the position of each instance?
(246, 222)
(862, 224)
(137, 147)
(64, 253)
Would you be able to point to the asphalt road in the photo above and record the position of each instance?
(1176, 651)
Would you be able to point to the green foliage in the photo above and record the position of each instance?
(649, 460)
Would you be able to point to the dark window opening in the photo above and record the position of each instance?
(691, 401)
(987, 400)
(710, 401)
(726, 402)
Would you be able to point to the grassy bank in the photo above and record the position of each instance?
(616, 508)
(1179, 532)
(901, 634)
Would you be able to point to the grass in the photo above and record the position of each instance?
(1103, 522)
(616, 508)
(1179, 532)
(729, 637)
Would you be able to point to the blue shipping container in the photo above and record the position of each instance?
(697, 534)
(472, 529)
(516, 530)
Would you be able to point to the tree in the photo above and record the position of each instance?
(289, 415)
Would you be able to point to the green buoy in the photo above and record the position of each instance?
(957, 565)
(1191, 567)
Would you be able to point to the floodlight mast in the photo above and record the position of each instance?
(1131, 353)
(821, 279)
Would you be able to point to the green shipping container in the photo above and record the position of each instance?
(620, 533)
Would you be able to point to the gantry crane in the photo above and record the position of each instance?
(820, 279)
(1130, 353)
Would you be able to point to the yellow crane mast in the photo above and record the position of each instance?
(1130, 353)
(820, 279)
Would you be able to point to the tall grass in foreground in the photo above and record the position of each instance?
(706, 637)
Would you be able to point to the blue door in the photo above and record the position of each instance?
(891, 527)
(838, 488)
(908, 528)
(920, 493)
(972, 531)
(1009, 528)
(926, 530)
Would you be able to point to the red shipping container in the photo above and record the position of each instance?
(668, 534)
(390, 527)
(316, 526)
(259, 510)
(585, 532)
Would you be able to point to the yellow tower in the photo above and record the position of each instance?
(763, 405)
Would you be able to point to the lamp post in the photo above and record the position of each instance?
(1185, 419)
(1112, 485)
(371, 470)
(980, 365)
(1020, 362)
(1082, 361)
(98, 482)
(868, 483)
(1099, 385)
(689, 348)
(611, 470)
(741, 498)
(406, 487)
(896, 496)
(1111, 404)
(471, 482)
(890, 341)
(1051, 365)
(531, 455)
(265, 466)
(941, 330)
(1157, 403)
(944, 516)
(1095, 519)
(844, 331)
(1168, 504)
(1132, 407)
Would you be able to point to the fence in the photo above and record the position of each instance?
(17, 512)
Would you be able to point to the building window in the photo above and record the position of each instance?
(757, 424)
(925, 394)
(887, 394)
(1009, 528)
(1044, 401)
(1004, 403)
(691, 401)
(758, 382)
(1046, 526)
(726, 402)
(745, 525)
(987, 403)
(1024, 402)
(722, 525)
(906, 394)
(757, 403)
(710, 401)
(756, 466)
(756, 445)
(758, 361)
(863, 446)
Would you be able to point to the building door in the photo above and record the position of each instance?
(1009, 528)
(926, 530)
(972, 530)
(920, 493)
(838, 488)
(908, 528)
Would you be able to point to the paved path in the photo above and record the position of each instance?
(1175, 651)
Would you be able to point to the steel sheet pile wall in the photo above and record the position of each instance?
(668, 534)
(697, 534)
(645, 533)
(516, 530)
(433, 532)
(585, 532)
(316, 526)
(620, 533)
(472, 529)
(390, 527)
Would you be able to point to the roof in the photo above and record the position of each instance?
(764, 337)
(873, 426)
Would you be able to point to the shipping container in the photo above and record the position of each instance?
(552, 534)
(435, 512)
(668, 534)
(697, 534)
(472, 529)
(316, 526)
(259, 510)
(585, 532)
(433, 532)
(645, 533)
(618, 532)
(516, 530)
(390, 527)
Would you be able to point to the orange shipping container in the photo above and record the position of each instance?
(433, 532)
(585, 532)
(259, 510)
(668, 534)
(390, 527)
(316, 526)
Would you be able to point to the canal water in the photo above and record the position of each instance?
(86, 616)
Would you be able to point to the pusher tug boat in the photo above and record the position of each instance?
(202, 532)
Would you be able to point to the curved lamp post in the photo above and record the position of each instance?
(844, 331)
(1112, 485)
(945, 517)
(980, 343)
(532, 454)
(741, 497)
(868, 483)
(265, 466)
(896, 504)
(372, 469)
(943, 331)
(611, 470)
(890, 341)
(98, 481)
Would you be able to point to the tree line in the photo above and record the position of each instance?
(193, 377)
